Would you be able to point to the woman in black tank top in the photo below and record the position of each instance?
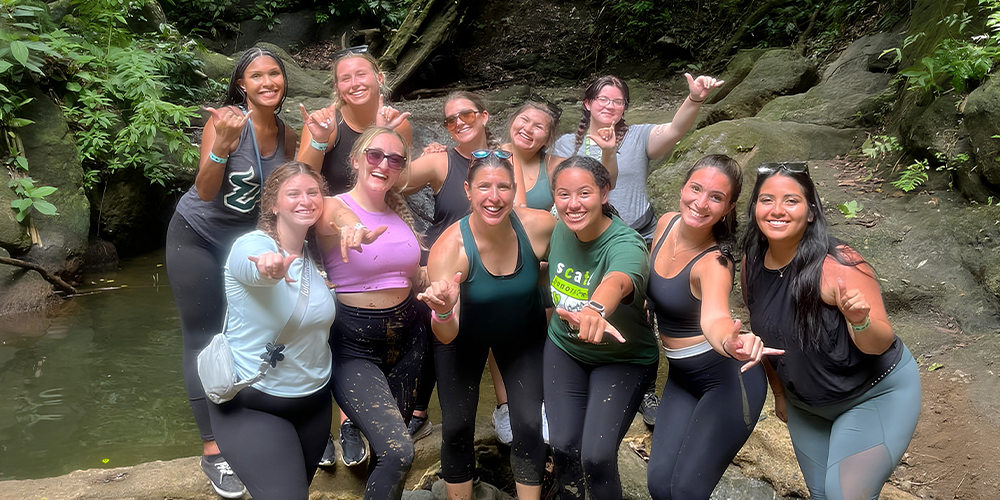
(715, 390)
(847, 386)
(329, 133)
(484, 294)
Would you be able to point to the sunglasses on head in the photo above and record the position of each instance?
(357, 49)
(467, 116)
(499, 153)
(394, 161)
(794, 167)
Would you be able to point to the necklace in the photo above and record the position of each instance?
(674, 253)
(781, 270)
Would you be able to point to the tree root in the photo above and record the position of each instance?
(56, 281)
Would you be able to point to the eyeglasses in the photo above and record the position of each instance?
(604, 101)
(394, 161)
(794, 167)
(499, 153)
(467, 116)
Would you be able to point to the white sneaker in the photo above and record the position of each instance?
(501, 424)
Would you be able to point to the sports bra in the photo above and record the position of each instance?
(678, 312)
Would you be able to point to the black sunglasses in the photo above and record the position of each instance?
(794, 167)
(499, 153)
(375, 156)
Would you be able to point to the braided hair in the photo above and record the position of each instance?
(621, 128)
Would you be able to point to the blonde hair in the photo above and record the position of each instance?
(376, 68)
(394, 197)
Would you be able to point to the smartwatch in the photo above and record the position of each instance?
(597, 306)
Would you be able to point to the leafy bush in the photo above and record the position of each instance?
(913, 176)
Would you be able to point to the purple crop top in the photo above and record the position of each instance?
(386, 264)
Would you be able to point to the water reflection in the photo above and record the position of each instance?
(96, 382)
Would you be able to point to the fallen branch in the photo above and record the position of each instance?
(51, 278)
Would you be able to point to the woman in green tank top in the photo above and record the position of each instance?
(484, 294)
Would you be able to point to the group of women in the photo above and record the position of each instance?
(497, 260)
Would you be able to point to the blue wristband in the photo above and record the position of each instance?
(217, 159)
(318, 146)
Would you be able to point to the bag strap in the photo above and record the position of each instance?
(273, 354)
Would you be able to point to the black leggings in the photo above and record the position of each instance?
(195, 271)
(591, 408)
(378, 357)
(711, 410)
(459, 372)
(272, 443)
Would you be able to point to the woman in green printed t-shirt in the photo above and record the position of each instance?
(601, 352)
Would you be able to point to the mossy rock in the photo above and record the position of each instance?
(13, 235)
(217, 66)
(736, 70)
(776, 73)
(751, 141)
(935, 131)
(982, 108)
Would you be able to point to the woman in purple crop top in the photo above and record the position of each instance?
(380, 335)
(716, 389)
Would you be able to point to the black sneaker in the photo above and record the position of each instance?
(222, 477)
(420, 427)
(650, 402)
(352, 444)
(329, 454)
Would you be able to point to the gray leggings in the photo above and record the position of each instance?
(849, 449)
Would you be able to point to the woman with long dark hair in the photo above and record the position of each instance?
(601, 352)
(715, 390)
(846, 385)
(242, 143)
(485, 297)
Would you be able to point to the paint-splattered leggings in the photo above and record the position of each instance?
(378, 355)
(589, 409)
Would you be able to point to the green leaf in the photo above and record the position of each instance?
(45, 208)
(20, 122)
(19, 51)
(935, 366)
(43, 191)
(21, 204)
(73, 87)
(22, 162)
(4, 66)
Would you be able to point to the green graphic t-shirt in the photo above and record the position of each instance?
(576, 269)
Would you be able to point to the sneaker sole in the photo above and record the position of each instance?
(363, 458)
(227, 494)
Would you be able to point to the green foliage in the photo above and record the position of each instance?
(963, 61)
(201, 17)
(31, 198)
(913, 176)
(635, 24)
(850, 209)
(880, 146)
(390, 12)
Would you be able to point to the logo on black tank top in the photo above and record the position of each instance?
(244, 192)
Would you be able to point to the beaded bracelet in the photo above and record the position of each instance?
(318, 146)
(216, 158)
(862, 326)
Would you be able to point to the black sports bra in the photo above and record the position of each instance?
(678, 312)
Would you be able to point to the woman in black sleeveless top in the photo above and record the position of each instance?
(715, 390)
(847, 386)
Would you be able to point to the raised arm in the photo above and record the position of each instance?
(219, 138)
(320, 127)
(430, 169)
(663, 138)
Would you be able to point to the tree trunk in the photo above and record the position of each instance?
(426, 27)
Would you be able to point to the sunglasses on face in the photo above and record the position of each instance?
(483, 153)
(794, 167)
(467, 116)
(394, 161)
(605, 101)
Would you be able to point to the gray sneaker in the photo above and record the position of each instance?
(352, 444)
(501, 424)
(222, 477)
(650, 403)
(420, 427)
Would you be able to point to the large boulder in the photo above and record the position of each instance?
(935, 129)
(736, 71)
(776, 73)
(982, 108)
(751, 141)
(21, 290)
(850, 94)
(127, 212)
(51, 151)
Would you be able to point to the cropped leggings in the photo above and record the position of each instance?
(195, 270)
(848, 450)
(710, 410)
(273, 443)
(378, 355)
(459, 372)
(591, 407)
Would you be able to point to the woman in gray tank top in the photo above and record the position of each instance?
(242, 143)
